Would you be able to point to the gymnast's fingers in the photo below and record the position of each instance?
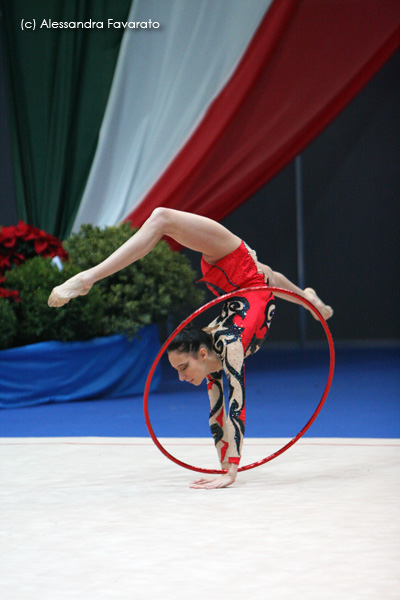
(200, 483)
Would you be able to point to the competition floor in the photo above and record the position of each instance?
(89, 512)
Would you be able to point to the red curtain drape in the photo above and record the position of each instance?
(307, 60)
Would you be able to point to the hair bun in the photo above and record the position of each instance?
(190, 339)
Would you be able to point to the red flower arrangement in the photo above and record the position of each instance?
(20, 243)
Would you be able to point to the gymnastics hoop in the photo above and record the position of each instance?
(198, 312)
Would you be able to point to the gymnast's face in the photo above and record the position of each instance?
(192, 368)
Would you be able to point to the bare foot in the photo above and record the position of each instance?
(73, 287)
(311, 296)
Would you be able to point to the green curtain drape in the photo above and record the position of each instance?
(58, 84)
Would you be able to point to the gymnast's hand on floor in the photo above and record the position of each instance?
(220, 482)
(78, 285)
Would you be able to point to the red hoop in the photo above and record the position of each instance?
(198, 312)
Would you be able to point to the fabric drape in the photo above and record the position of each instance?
(306, 61)
(109, 367)
(164, 81)
(58, 81)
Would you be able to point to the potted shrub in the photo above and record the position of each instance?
(99, 345)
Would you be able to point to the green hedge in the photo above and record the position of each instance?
(157, 286)
(37, 322)
(8, 321)
(148, 291)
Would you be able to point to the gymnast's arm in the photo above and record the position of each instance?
(219, 430)
(217, 418)
(228, 434)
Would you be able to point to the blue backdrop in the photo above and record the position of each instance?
(111, 367)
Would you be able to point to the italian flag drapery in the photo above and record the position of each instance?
(205, 112)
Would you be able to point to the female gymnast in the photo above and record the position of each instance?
(227, 264)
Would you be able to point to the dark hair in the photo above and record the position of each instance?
(190, 340)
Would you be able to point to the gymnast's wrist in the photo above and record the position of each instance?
(233, 469)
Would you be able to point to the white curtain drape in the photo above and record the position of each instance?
(165, 80)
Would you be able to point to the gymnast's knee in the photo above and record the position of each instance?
(161, 219)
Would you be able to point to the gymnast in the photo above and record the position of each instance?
(227, 264)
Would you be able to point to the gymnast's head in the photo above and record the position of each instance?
(191, 354)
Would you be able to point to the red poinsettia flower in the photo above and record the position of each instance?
(23, 230)
(45, 244)
(5, 293)
(21, 242)
(4, 262)
(13, 294)
(49, 246)
(17, 257)
(33, 233)
(8, 237)
(41, 244)
(56, 251)
(25, 241)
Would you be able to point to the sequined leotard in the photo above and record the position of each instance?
(237, 332)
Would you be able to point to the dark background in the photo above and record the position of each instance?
(351, 190)
(351, 196)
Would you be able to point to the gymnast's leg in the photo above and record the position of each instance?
(275, 279)
(195, 232)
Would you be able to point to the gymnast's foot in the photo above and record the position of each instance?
(311, 296)
(73, 287)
